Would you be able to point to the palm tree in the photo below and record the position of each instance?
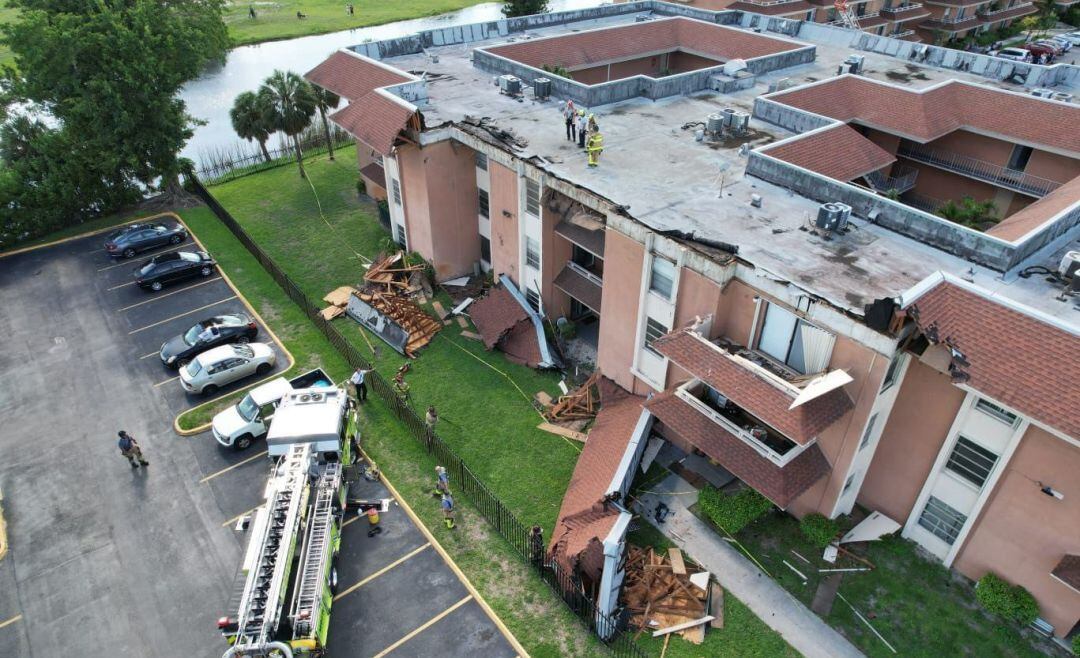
(290, 105)
(251, 120)
(325, 100)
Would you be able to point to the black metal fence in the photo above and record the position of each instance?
(565, 585)
(244, 158)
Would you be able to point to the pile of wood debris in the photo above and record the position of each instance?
(418, 325)
(392, 274)
(666, 595)
(570, 413)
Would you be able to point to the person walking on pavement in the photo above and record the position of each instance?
(582, 128)
(359, 387)
(595, 148)
(442, 481)
(570, 117)
(372, 515)
(431, 417)
(130, 449)
(448, 510)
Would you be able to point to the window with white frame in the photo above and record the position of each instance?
(395, 187)
(890, 373)
(532, 252)
(942, 521)
(971, 461)
(869, 431)
(996, 412)
(794, 342)
(662, 277)
(532, 197)
(481, 161)
(399, 234)
(653, 330)
(533, 298)
(482, 198)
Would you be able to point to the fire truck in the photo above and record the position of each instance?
(285, 586)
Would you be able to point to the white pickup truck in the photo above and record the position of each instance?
(241, 424)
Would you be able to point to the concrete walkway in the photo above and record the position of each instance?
(800, 627)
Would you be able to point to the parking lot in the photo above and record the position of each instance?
(108, 560)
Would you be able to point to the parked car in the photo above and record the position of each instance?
(1071, 37)
(1052, 45)
(223, 365)
(178, 351)
(1038, 50)
(165, 269)
(1014, 54)
(134, 238)
(241, 424)
(1066, 45)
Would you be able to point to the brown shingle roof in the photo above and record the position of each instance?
(799, 7)
(925, 115)
(750, 391)
(1022, 222)
(839, 152)
(579, 287)
(375, 173)
(495, 314)
(1068, 571)
(351, 76)
(627, 41)
(779, 484)
(375, 119)
(583, 518)
(1017, 359)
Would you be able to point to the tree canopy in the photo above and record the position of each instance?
(290, 102)
(104, 77)
(513, 8)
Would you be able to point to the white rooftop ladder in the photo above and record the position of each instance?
(311, 578)
(264, 590)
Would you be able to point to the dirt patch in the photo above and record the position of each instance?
(910, 73)
(758, 137)
(845, 256)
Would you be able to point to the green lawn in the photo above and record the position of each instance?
(542, 624)
(919, 606)
(485, 418)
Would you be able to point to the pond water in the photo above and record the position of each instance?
(210, 96)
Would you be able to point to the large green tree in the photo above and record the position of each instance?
(512, 8)
(325, 100)
(251, 120)
(106, 75)
(291, 104)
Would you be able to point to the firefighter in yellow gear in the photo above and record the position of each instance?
(595, 146)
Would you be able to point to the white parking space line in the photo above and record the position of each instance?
(229, 468)
(239, 516)
(129, 261)
(380, 572)
(123, 285)
(170, 379)
(169, 294)
(147, 356)
(11, 621)
(420, 629)
(180, 315)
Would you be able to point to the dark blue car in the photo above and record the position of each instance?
(134, 238)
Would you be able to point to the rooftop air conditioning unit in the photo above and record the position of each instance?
(1042, 93)
(1070, 264)
(510, 84)
(733, 66)
(714, 123)
(1062, 96)
(833, 216)
(727, 113)
(740, 121)
(542, 88)
(855, 63)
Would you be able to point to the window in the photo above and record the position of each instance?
(1018, 159)
(532, 252)
(481, 161)
(485, 249)
(941, 520)
(532, 197)
(869, 431)
(399, 235)
(662, 278)
(971, 461)
(847, 483)
(482, 196)
(396, 188)
(890, 374)
(533, 298)
(653, 330)
(996, 412)
(798, 344)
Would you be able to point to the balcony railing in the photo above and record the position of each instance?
(585, 273)
(896, 12)
(990, 14)
(980, 170)
(904, 181)
(901, 35)
(923, 202)
(684, 394)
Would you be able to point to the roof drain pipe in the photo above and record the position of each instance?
(263, 649)
(545, 353)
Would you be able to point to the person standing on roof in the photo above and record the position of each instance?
(448, 510)
(595, 148)
(130, 449)
(582, 128)
(570, 116)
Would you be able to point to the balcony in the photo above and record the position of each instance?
(952, 23)
(582, 285)
(584, 232)
(866, 21)
(998, 15)
(987, 172)
(904, 34)
(903, 181)
(901, 13)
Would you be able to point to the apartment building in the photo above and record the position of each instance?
(776, 295)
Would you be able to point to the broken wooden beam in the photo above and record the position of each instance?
(562, 431)
(677, 565)
(683, 626)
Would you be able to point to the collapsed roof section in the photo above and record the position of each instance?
(505, 321)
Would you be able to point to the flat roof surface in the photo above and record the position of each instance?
(652, 164)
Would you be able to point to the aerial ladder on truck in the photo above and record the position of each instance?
(287, 580)
(847, 14)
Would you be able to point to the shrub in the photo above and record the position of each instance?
(733, 512)
(1012, 602)
(361, 187)
(819, 529)
(1076, 645)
